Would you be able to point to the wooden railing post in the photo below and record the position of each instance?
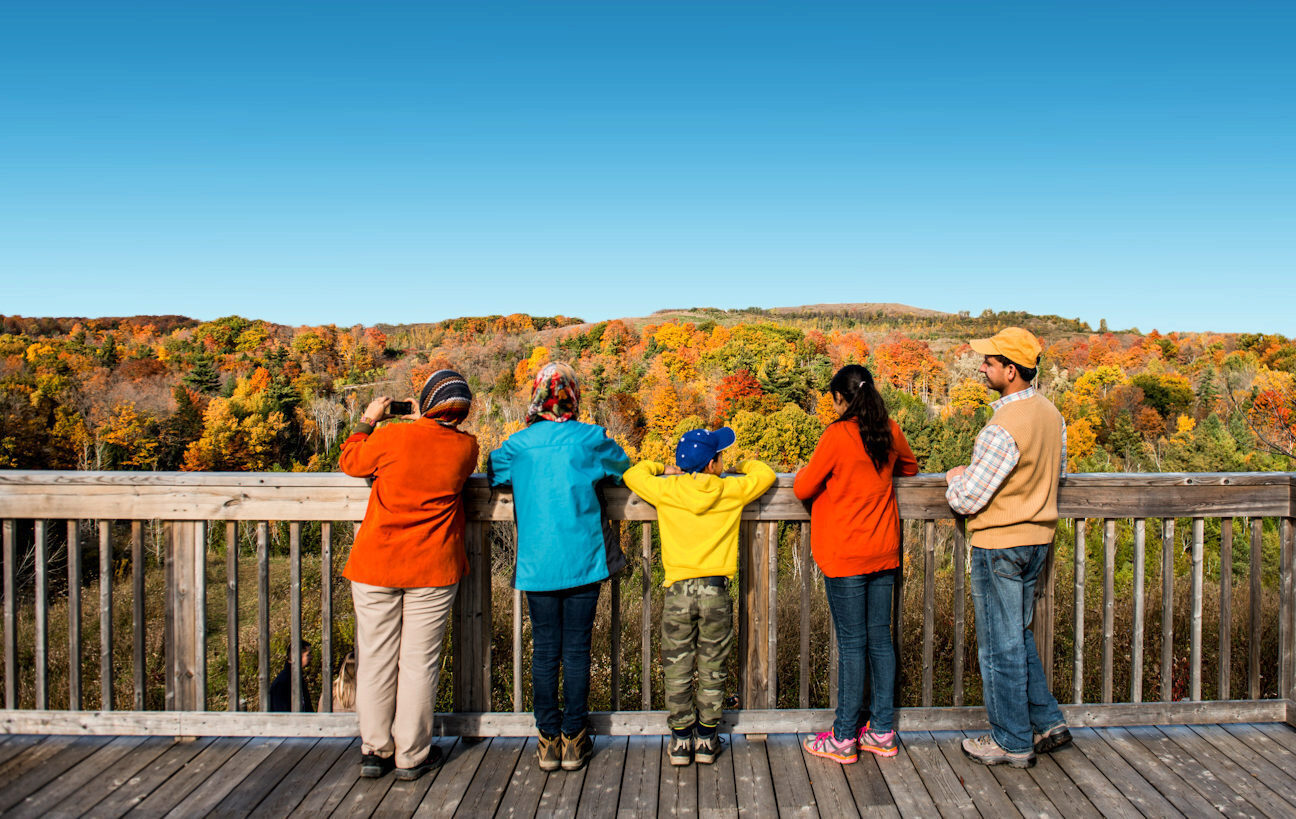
(755, 628)
(472, 625)
(186, 660)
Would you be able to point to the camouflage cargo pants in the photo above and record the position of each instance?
(697, 630)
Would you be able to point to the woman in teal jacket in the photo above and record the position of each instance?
(554, 466)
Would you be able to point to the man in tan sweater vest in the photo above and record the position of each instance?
(1009, 493)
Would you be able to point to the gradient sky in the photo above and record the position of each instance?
(411, 161)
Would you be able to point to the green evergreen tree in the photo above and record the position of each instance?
(203, 377)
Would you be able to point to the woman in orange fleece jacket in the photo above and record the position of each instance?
(855, 538)
(405, 567)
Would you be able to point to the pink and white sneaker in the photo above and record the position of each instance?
(829, 747)
(884, 744)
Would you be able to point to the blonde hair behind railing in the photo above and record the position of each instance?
(344, 685)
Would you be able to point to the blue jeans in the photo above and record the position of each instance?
(562, 623)
(1017, 698)
(861, 613)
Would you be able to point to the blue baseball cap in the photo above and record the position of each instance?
(698, 447)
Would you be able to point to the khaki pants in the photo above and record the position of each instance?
(398, 663)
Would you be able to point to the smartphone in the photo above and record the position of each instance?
(400, 408)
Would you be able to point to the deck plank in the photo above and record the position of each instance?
(289, 789)
(492, 777)
(1060, 790)
(1267, 758)
(603, 782)
(1141, 793)
(869, 788)
(143, 780)
(1282, 734)
(101, 786)
(792, 791)
(832, 793)
(522, 796)
(908, 790)
(639, 781)
(218, 784)
(32, 757)
(189, 778)
(403, 798)
(451, 784)
(1203, 780)
(1161, 776)
(1242, 782)
(716, 786)
(949, 795)
(15, 744)
(677, 787)
(334, 785)
(752, 778)
(987, 794)
(1105, 796)
(263, 779)
(34, 777)
(70, 786)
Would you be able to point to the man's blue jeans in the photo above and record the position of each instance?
(1017, 698)
(861, 613)
(562, 623)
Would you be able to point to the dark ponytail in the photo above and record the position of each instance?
(864, 404)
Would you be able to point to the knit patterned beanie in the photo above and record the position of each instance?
(445, 397)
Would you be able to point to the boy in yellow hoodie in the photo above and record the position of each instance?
(698, 512)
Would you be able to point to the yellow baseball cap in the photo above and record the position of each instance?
(1013, 343)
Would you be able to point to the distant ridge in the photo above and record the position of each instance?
(889, 308)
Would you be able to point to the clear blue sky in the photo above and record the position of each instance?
(377, 161)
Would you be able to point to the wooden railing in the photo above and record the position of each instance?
(191, 511)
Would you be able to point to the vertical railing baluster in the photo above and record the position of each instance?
(1042, 618)
(1195, 625)
(137, 611)
(42, 615)
(929, 610)
(326, 615)
(960, 606)
(1077, 657)
(614, 633)
(1109, 608)
(1136, 639)
(294, 605)
(1253, 624)
(1287, 609)
(771, 650)
(263, 613)
(75, 701)
(804, 558)
(1167, 609)
(106, 682)
(645, 619)
(231, 614)
(1226, 610)
(200, 614)
(11, 613)
(517, 651)
(897, 618)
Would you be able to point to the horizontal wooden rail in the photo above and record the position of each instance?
(333, 496)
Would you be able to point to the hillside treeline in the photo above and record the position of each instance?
(167, 392)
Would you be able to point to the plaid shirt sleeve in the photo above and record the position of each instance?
(994, 456)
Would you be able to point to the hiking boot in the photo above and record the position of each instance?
(577, 750)
(549, 752)
(680, 751)
(988, 752)
(884, 743)
(432, 762)
(706, 747)
(373, 766)
(829, 746)
(1059, 736)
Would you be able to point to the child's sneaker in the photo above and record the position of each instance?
(882, 744)
(830, 747)
(706, 747)
(680, 750)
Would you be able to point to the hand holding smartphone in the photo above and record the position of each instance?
(399, 408)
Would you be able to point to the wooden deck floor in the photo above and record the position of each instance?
(1200, 770)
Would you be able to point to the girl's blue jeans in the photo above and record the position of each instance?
(861, 613)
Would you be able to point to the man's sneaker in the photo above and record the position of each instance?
(577, 750)
(706, 747)
(432, 762)
(549, 752)
(988, 752)
(373, 766)
(883, 744)
(680, 750)
(1059, 736)
(830, 747)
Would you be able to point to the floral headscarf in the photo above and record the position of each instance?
(555, 394)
